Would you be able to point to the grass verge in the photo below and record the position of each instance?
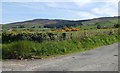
(30, 49)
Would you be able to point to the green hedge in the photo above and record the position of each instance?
(29, 49)
(8, 37)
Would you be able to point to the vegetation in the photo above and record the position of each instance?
(35, 49)
(46, 23)
(43, 38)
(98, 27)
(117, 25)
(30, 49)
(11, 36)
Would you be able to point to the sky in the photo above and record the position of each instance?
(22, 10)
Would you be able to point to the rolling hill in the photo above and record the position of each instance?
(58, 23)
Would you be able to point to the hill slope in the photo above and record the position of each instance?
(47, 23)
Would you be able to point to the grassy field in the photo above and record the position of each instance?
(27, 44)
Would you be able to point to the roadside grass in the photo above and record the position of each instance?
(31, 49)
(0, 51)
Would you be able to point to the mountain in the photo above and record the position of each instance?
(58, 23)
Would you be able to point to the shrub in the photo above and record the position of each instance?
(98, 26)
(116, 25)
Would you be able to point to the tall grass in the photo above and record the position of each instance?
(29, 49)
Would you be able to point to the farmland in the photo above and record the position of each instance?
(38, 41)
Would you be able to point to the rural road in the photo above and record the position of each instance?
(100, 59)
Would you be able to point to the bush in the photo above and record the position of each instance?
(117, 25)
(98, 26)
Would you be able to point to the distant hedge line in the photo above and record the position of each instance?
(8, 37)
(39, 37)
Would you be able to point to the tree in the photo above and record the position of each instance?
(33, 26)
(64, 36)
(21, 26)
(98, 26)
(39, 26)
(116, 25)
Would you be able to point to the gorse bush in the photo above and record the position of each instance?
(29, 49)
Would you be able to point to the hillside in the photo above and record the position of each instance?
(57, 23)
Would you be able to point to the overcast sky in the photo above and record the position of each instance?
(20, 10)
